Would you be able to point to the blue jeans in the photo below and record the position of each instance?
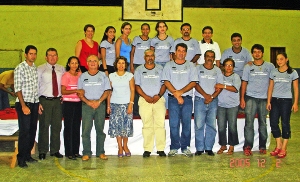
(253, 106)
(88, 115)
(181, 112)
(4, 100)
(205, 119)
(228, 116)
(281, 108)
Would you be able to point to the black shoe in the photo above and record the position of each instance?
(210, 152)
(22, 164)
(199, 152)
(72, 157)
(146, 154)
(32, 160)
(57, 155)
(161, 153)
(78, 156)
(42, 156)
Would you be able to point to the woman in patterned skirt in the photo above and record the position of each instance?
(120, 105)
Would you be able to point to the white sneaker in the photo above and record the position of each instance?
(187, 152)
(172, 152)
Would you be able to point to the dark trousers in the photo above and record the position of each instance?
(72, 122)
(51, 116)
(136, 97)
(281, 108)
(27, 130)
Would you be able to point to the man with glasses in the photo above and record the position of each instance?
(193, 52)
(96, 86)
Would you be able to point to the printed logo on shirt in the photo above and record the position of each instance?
(143, 47)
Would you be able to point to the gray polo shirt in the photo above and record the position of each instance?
(208, 78)
(149, 79)
(283, 83)
(180, 75)
(258, 79)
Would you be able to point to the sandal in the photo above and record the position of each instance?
(282, 154)
(221, 150)
(230, 150)
(275, 152)
(127, 154)
(120, 155)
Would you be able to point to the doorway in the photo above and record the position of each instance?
(274, 51)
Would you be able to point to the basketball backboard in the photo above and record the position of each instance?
(152, 10)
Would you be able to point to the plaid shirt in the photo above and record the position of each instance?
(26, 80)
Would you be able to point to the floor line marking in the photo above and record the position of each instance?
(265, 173)
(68, 172)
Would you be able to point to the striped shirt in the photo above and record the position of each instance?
(26, 81)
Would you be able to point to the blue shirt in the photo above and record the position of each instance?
(226, 98)
(110, 52)
(149, 80)
(125, 50)
(180, 75)
(283, 83)
(93, 85)
(121, 88)
(258, 79)
(193, 47)
(140, 47)
(208, 78)
(162, 48)
(240, 59)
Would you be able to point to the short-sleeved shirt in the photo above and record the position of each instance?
(70, 82)
(226, 98)
(258, 79)
(93, 85)
(162, 48)
(240, 59)
(110, 52)
(26, 80)
(214, 46)
(283, 83)
(7, 78)
(140, 47)
(121, 88)
(193, 47)
(208, 78)
(180, 75)
(149, 79)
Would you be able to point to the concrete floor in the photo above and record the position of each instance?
(179, 168)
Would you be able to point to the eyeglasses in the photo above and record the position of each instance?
(92, 61)
(228, 65)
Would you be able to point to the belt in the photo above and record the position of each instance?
(50, 98)
(170, 95)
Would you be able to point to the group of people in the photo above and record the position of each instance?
(146, 77)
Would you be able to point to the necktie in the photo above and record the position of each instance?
(54, 82)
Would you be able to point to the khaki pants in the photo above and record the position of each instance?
(153, 117)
